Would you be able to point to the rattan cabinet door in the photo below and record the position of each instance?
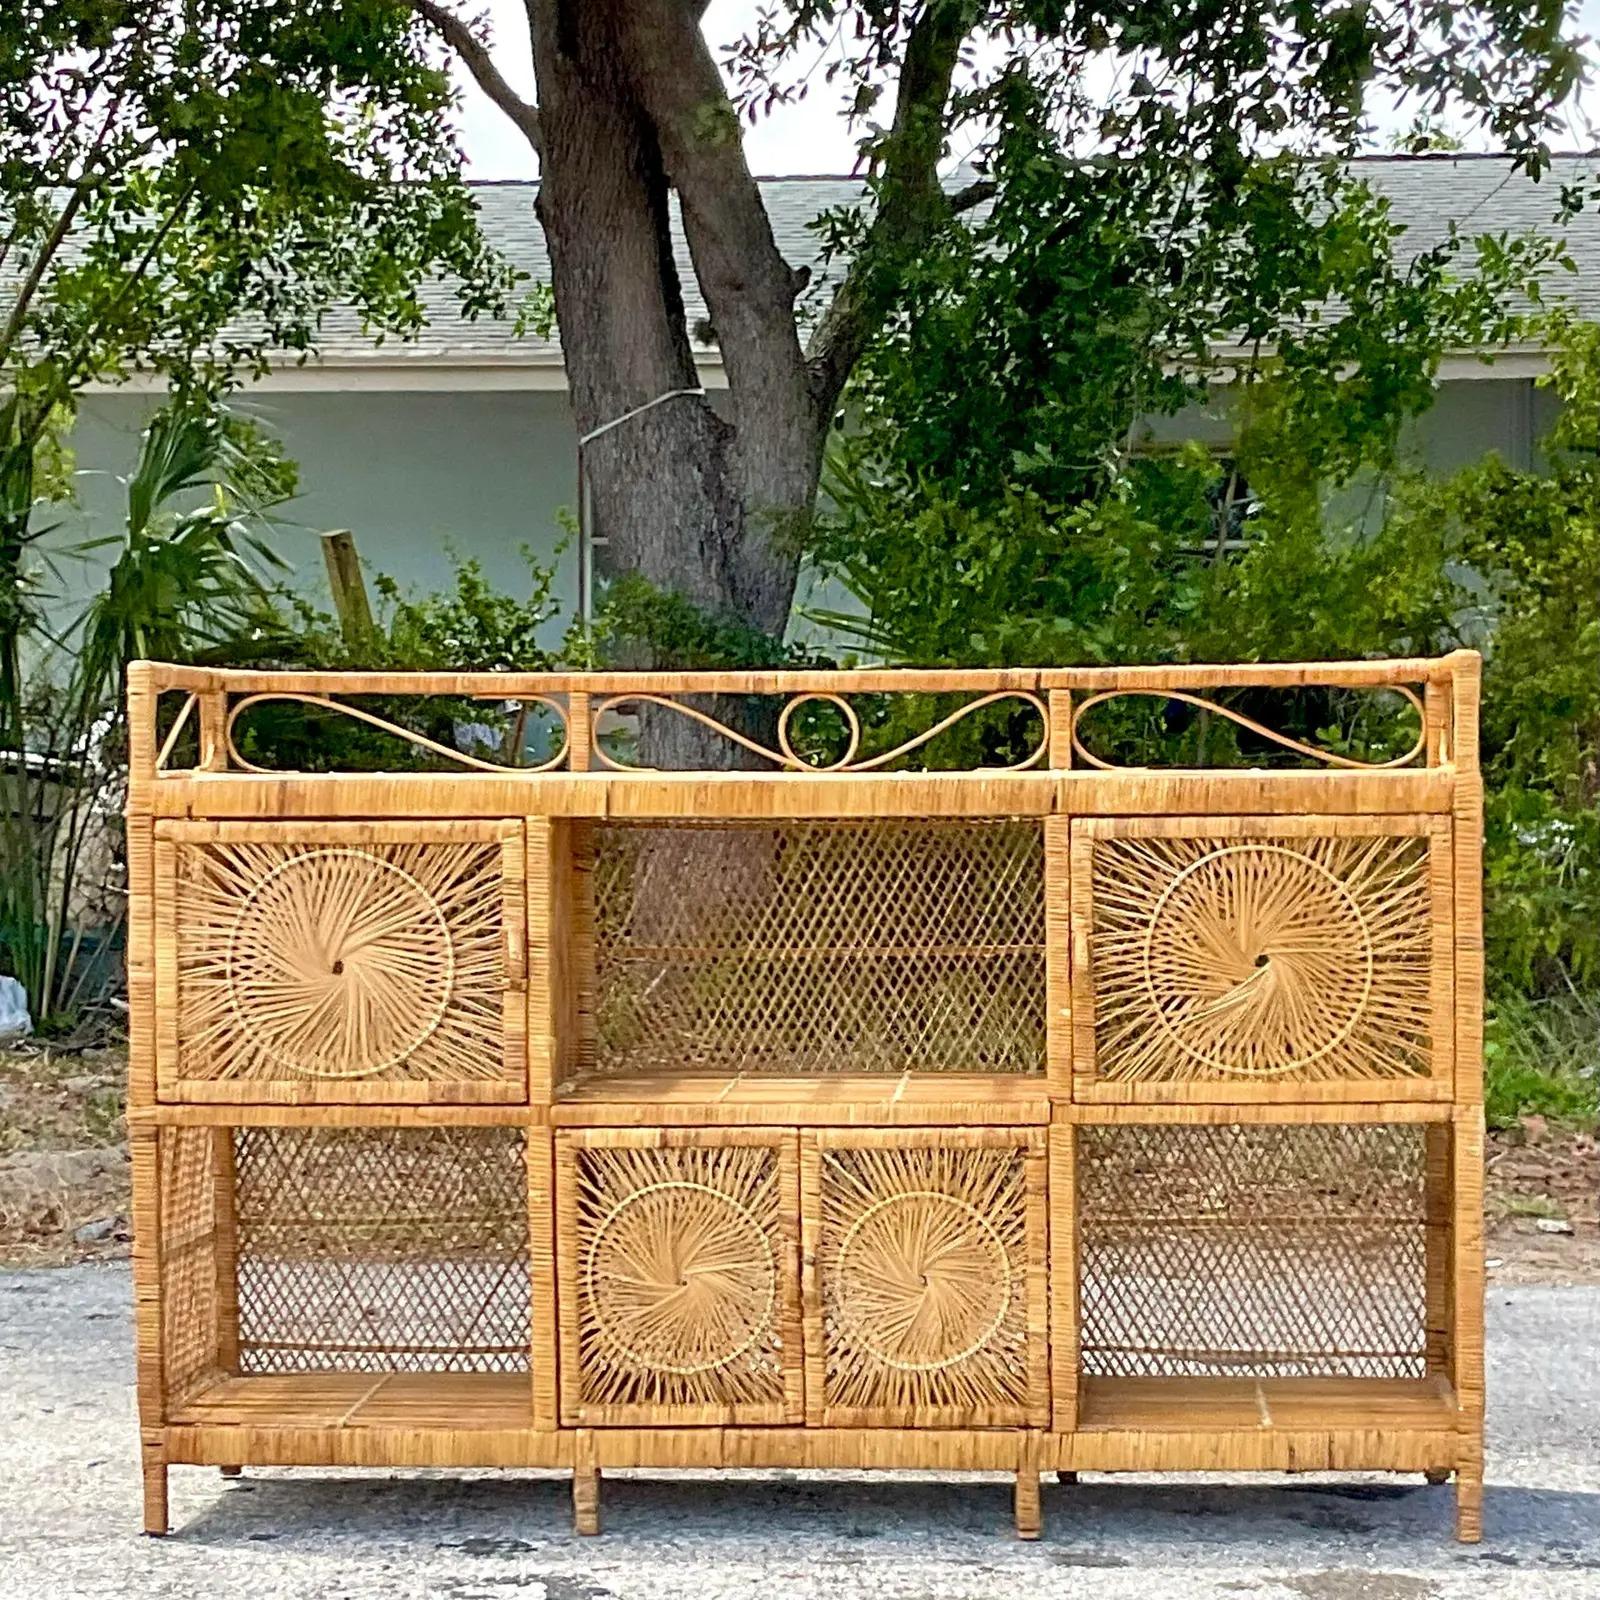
(925, 1278)
(677, 1277)
(341, 962)
(1241, 959)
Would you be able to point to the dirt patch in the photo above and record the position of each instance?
(63, 1155)
(1550, 1176)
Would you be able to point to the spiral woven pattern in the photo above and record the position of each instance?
(922, 1264)
(679, 1284)
(681, 1279)
(1262, 958)
(336, 962)
(924, 1281)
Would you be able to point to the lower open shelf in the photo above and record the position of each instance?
(420, 1400)
(1191, 1405)
(465, 1400)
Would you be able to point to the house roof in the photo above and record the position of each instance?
(1481, 194)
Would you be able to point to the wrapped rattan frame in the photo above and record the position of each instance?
(792, 1118)
(925, 1278)
(1296, 902)
(645, 1219)
(458, 1024)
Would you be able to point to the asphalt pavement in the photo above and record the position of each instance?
(69, 1505)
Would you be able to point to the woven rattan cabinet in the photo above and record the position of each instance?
(856, 1113)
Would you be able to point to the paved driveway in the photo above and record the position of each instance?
(69, 1506)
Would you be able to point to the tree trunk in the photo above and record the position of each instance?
(706, 507)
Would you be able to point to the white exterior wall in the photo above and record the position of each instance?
(415, 474)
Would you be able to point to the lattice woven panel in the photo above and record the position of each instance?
(382, 1250)
(922, 1265)
(1262, 958)
(684, 1281)
(1289, 1251)
(188, 1250)
(814, 946)
(340, 962)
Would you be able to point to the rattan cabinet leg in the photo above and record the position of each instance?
(1066, 1477)
(1469, 1503)
(1026, 1498)
(153, 1461)
(585, 1487)
(1437, 1475)
(1027, 1503)
(231, 1472)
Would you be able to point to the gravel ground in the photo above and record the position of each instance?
(69, 1505)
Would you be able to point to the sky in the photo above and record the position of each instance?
(811, 137)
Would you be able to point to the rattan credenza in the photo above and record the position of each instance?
(1050, 1117)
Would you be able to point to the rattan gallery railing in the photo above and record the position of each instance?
(1044, 1116)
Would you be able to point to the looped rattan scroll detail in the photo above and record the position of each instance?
(1257, 960)
(1265, 958)
(786, 757)
(384, 725)
(1330, 758)
(681, 1278)
(340, 964)
(924, 1281)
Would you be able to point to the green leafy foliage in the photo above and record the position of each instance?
(186, 188)
(995, 509)
(192, 581)
(1540, 1059)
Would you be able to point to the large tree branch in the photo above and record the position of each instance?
(749, 288)
(475, 55)
(911, 203)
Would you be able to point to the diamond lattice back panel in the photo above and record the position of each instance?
(930, 1282)
(382, 1250)
(1252, 1251)
(1262, 958)
(813, 946)
(315, 961)
(190, 1318)
(679, 1295)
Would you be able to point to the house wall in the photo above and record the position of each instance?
(413, 475)
(417, 475)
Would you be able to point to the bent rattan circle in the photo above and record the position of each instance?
(924, 1280)
(681, 1278)
(1273, 948)
(339, 964)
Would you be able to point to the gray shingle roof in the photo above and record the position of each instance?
(1482, 194)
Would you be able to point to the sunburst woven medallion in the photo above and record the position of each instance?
(1261, 958)
(923, 1280)
(679, 1289)
(1257, 945)
(681, 1279)
(336, 962)
(340, 963)
(922, 1265)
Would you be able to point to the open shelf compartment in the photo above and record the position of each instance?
(328, 1276)
(747, 949)
(1257, 1275)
